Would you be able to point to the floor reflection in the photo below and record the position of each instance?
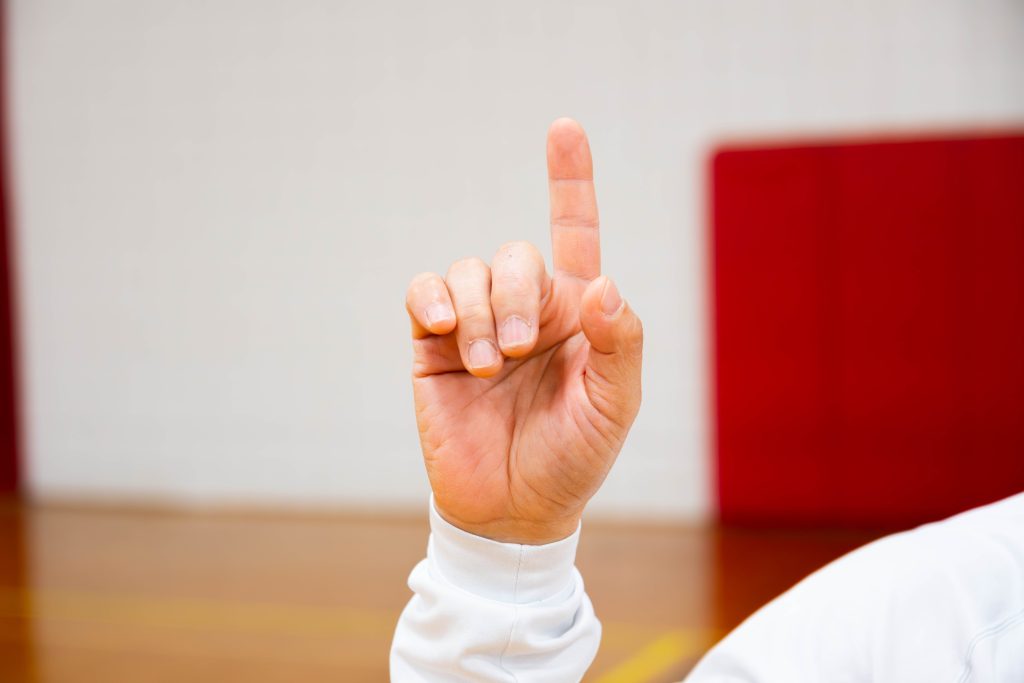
(16, 644)
(90, 594)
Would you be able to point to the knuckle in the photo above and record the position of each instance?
(516, 247)
(635, 335)
(420, 282)
(519, 252)
(513, 301)
(475, 313)
(469, 265)
(576, 220)
(511, 281)
(425, 276)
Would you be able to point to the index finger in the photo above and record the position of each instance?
(575, 237)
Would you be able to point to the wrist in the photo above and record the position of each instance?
(507, 572)
(522, 532)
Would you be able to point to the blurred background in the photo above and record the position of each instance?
(211, 212)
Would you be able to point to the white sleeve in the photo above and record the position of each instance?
(944, 602)
(487, 611)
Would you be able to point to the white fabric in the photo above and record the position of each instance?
(944, 602)
(489, 611)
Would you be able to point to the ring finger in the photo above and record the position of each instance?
(469, 284)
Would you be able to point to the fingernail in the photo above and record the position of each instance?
(438, 313)
(514, 331)
(482, 353)
(611, 302)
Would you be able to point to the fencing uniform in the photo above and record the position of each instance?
(943, 602)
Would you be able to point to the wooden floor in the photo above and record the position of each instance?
(122, 595)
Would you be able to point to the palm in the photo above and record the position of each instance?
(505, 446)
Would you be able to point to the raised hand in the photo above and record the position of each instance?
(526, 384)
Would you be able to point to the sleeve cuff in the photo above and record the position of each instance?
(506, 572)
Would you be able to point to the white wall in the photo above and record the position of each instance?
(219, 204)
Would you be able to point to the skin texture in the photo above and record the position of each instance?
(526, 383)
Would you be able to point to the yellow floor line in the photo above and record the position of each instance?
(657, 657)
(654, 659)
(177, 612)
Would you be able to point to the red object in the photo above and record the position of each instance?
(9, 466)
(869, 329)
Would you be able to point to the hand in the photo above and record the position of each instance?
(526, 384)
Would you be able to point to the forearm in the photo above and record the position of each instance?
(487, 611)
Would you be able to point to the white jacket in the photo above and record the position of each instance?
(944, 602)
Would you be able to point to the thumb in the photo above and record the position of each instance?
(616, 336)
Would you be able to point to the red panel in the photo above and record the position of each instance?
(9, 470)
(869, 329)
